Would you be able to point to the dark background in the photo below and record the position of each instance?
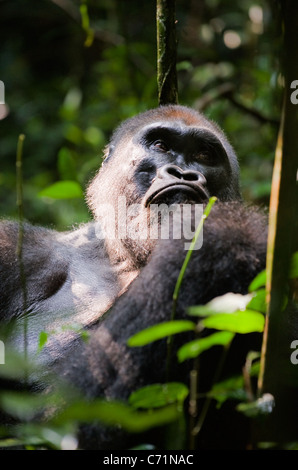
(67, 85)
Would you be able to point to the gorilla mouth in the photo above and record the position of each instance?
(194, 192)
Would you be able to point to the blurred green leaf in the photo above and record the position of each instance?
(63, 190)
(25, 405)
(233, 387)
(229, 389)
(43, 338)
(118, 414)
(196, 347)
(262, 406)
(294, 266)
(66, 165)
(94, 136)
(160, 331)
(158, 395)
(247, 321)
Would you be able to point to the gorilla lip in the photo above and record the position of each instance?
(195, 191)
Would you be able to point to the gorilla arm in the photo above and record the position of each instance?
(233, 252)
(67, 279)
(45, 271)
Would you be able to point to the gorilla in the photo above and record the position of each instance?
(113, 279)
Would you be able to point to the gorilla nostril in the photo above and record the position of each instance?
(173, 171)
(191, 175)
(167, 171)
(194, 176)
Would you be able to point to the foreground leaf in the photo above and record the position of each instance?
(294, 266)
(196, 347)
(119, 414)
(158, 395)
(258, 281)
(160, 331)
(262, 406)
(258, 301)
(247, 321)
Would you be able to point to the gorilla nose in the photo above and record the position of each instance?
(173, 171)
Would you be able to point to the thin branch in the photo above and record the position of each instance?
(226, 90)
(166, 52)
(19, 250)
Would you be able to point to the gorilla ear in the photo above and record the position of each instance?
(108, 152)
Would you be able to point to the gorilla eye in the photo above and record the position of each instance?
(205, 157)
(160, 145)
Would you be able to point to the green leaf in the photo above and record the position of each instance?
(294, 266)
(160, 331)
(43, 338)
(119, 414)
(229, 389)
(258, 301)
(66, 165)
(196, 347)
(233, 387)
(247, 321)
(259, 281)
(143, 447)
(62, 190)
(24, 405)
(262, 406)
(226, 303)
(158, 395)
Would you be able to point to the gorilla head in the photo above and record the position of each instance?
(170, 154)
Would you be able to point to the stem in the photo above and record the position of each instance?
(199, 228)
(195, 431)
(19, 250)
(166, 52)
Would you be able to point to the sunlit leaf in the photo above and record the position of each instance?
(160, 331)
(247, 321)
(226, 303)
(158, 395)
(259, 281)
(62, 190)
(258, 301)
(196, 347)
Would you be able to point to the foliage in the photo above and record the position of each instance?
(92, 66)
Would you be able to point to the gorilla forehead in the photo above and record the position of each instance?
(175, 115)
(171, 113)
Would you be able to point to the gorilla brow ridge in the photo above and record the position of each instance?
(168, 112)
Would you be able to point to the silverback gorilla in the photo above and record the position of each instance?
(117, 282)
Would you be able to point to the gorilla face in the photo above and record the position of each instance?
(168, 155)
